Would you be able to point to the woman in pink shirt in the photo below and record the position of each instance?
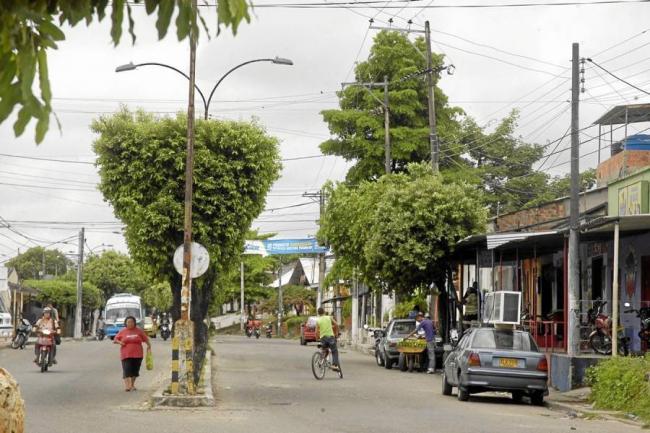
(131, 338)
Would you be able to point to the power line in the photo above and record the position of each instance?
(66, 161)
(369, 5)
(617, 77)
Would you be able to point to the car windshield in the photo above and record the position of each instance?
(504, 339)
(402, 328)
(119, 314)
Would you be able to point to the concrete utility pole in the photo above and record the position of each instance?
(573, 325)
(280, 301)
(384, 104)
(241, 305)
(321, 257)
(433, 134)
(80, 264)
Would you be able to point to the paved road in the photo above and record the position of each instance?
(267, 385)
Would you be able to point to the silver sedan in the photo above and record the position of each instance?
(493, 359)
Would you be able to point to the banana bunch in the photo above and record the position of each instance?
(414, 343)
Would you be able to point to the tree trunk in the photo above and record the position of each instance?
(201, 299)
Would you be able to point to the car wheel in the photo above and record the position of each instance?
(517, 396)
(388, 363)
(446, 387)
(379, 359)
(401, 362)
(463, 394)
(537, 399)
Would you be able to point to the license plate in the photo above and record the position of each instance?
(508, 362)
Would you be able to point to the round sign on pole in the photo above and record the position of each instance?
(199, 263)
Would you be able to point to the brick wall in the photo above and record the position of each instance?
(515, 220)
(612, 168)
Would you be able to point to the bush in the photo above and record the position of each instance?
(293, 325)
(621, 384)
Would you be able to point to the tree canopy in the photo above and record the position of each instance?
(113, 272)
(357, 128)
(63, 291)
(399, 230)
(32, 263)
(141, 162)
(29, 29)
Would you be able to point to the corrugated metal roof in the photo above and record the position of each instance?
(617, 116)
(498, 239)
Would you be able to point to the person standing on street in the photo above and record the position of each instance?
(430, 335)
(327, 329)
(130, 338)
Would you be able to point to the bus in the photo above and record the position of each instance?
(118, 308)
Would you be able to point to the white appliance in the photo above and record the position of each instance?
(502, 307)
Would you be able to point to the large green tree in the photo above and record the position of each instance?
(29, 29)
(141, 162)
(62, 292)
(114, 272)
(357, 127)
(32, 263)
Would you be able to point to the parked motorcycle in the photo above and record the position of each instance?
(644, 315)
(269, 330)
(46, 342)
(600, 338)
(22, 333)
(165, 332)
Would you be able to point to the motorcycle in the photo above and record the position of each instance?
(269, 330)
(165, 332)
(600, 338)
(22, 333)
(644, 315)
(46, 342)
(249, 331)
(257, 333)
(100, 333)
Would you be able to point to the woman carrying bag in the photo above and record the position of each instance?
(130, 338)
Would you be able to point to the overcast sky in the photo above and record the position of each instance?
(505, 58)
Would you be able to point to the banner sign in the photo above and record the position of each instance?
(284, 246)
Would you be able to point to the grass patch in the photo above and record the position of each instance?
(621, 384)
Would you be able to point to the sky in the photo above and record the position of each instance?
(504, 58)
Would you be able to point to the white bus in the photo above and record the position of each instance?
(118, 308)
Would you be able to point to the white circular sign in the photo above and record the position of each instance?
(199, 263)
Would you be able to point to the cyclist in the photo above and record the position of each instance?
(327, 329)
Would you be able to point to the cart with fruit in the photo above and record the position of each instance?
(412, 349)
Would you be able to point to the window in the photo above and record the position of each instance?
(402, 328)
(502, 339)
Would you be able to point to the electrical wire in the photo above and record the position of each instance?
(617, 77)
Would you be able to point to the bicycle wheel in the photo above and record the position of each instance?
(318, 365)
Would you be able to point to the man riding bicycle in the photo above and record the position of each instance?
(327, 329)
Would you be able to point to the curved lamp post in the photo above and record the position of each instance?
(206, 102)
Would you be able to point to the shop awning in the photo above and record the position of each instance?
(628, 223)
(500, 239)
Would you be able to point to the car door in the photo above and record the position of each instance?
(384, 340)
(451, 365)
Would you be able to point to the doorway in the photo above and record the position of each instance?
(597, 278)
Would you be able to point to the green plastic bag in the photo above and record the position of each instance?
(149, 360)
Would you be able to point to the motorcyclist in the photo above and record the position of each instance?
(49, 323)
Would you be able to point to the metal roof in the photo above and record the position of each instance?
(498, 239)
(617, 116)
(628, 223)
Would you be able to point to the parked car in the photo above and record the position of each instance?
(491, 359)
(386, 352)
(149, 327)
(308, 331)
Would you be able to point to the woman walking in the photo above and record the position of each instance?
(130, 339)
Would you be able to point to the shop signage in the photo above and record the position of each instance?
(633, 199)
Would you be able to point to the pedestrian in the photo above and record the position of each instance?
(130, 338)
(470, 301)
(430, 336)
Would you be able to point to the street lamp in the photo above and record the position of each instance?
(206, 102)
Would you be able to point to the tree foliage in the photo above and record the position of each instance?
(114, 272)
(28, 29)
(399, 230)
(63, 291)
(158, 295)
(358, 126)
(32, 263)
(141, 162)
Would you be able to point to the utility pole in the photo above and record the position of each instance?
(80, 264)
(280, 301)
(321, 257)
(384, 104)
(433, 134)
(241, 280)
(573, 331)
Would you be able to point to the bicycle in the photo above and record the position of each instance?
(321, 361)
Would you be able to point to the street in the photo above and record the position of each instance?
(265, 385)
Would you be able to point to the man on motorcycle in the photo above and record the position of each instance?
(49, 323)
(327, 329)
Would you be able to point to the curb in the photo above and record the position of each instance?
(574, 411)
(162, 399)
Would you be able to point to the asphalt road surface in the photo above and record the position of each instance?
(265, 386)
